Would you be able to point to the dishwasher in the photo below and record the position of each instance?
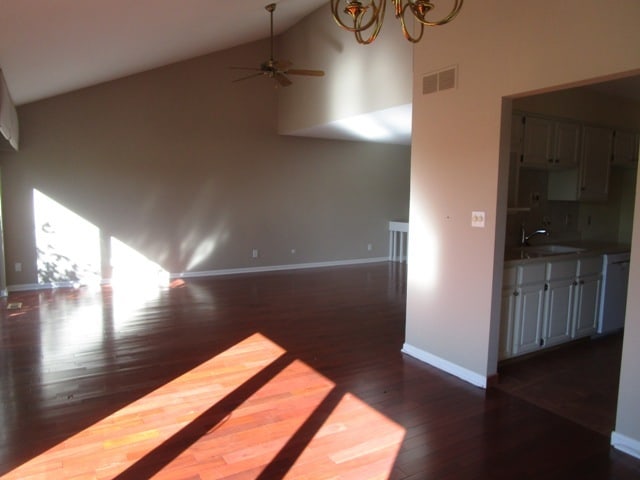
(615, 277)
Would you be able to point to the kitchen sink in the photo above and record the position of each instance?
(552, 249)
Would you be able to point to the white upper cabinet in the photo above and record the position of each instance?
(625, 148)
(549, 142)
(537, 141)
(597, 143)
(590, 182)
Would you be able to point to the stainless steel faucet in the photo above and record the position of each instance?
(524, 238)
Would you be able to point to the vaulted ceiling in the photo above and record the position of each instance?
(50, 47)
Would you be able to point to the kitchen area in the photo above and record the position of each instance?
(572, 187)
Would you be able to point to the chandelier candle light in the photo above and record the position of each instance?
(360, 17)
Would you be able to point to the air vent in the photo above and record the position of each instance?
(430, 83)
(441, 80)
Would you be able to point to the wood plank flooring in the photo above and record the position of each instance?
(279, 375)
(577, 381)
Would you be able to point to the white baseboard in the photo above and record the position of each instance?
(274, 268)
(625, 444)
(214, 273)
(445, 365)
(29, 286)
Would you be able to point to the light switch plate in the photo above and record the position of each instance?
(477, 219)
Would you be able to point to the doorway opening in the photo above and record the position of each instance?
(537, 201)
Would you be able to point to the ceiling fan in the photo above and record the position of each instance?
(276, 69)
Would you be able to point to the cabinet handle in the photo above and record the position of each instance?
(575, 283)
(546, 287)
(581, 282)
(550, 160)
(515, 293)
(541, 342)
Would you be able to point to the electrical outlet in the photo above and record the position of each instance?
(293, 251)
(369, 247)
(567, 219)
(477, 219)
(254, 253)
(535, 199)
(18, 267)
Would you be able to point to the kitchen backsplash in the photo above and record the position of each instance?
(609, 221)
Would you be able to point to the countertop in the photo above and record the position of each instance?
(522, 255)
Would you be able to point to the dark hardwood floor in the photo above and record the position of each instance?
(278, 375)
(577, 381)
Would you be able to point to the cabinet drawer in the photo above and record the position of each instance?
(562, 269)
(533, 273)
(590, 266)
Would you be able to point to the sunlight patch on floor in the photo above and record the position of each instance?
(249, 409)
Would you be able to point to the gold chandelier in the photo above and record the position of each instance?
(359, 17)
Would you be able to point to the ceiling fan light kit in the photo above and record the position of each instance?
(276, 69)
(362, 17)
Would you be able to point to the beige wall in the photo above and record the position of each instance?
(359, 78)
(460, 163)
(187, 168)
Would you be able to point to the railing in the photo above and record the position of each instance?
(398, 241)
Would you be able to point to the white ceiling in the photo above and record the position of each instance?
(48, 47)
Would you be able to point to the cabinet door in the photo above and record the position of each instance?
(567, 144)
(527, 325)
(587, 306)
(507, 314)
(625, 148)
(559, 311)
(537, 142)
(596, 157)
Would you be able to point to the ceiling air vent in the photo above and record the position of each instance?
(438, 81)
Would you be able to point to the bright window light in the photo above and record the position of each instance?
(132, 269)
(68, 245)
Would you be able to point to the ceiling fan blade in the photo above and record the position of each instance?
(253, 75)
(246, 68)
(313, 73)
(282, 64)
(282, 80)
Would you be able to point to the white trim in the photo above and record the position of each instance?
(274, 268)
(625, 444)
(29, 286)
(445, 365)
(213, 273)
(42, 286)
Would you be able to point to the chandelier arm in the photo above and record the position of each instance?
(376, 17)
(372, 14)
(374, 33)
(454, 11)
(400, 13)
(410, 37)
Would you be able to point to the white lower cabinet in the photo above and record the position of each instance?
(587, 305)
(548, 303)
(523, 309)
(528, 318)
(507, 313)
(559, 301)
